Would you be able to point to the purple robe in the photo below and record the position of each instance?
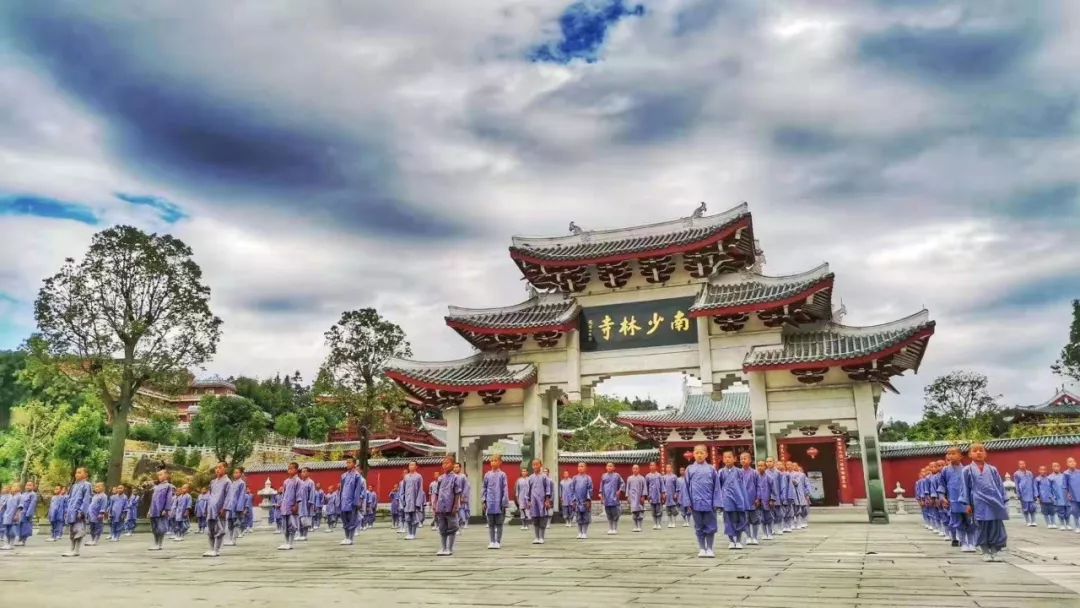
(161, 499)
(703, 488)
(234, 499)
(581, 492)
(564, 491)
(215, 500)
(117, 507)
(636, 489)
(750, 480)
(290, 496)
(610, 485)
(412, 493)
(733, 493)
(538, 490)
(653, 487)
(668, 488)
(448, 490)
(496, 492)
(352, 490)
(986, 492)
(183, 505)
(1025, 485)
(78, 502)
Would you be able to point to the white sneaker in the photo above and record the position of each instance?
(210, 554)
(541, 541)
(5, 547)
(69, 554)
(1052, 527)
(1067, 527)
(987, 557)
(442, 552)
(636, 530)
(154, 548)
(738, 545)
(671, 525)
(731, 545)
(491, 545)
(702, 553)
(579, 535)
(584, 537)
(285, 547)
(346, 542)
(498, 545)
(968, 549)
(536, 541)
(611, 532)
(410, 537)
(710, 553)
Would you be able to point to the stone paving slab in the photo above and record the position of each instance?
(834, 564)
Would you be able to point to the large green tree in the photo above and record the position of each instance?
(1068, 363)
(26, 448)
(594, 425)
(960, 406)
(361, 343)
(230, 425)
(134, 311)
(81, 440)
(12, 392)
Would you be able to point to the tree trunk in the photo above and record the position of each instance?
(364, 451)
(116, 446)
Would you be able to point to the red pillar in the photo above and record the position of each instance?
(842, 469)
(783, 450)
(663, 456)
(714, 456)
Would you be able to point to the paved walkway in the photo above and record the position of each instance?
(832, 564)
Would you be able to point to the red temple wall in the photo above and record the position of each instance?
(906, 470)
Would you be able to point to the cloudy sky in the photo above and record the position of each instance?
(321, 156)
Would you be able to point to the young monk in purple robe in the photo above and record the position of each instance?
(56, 513)
(290, 506)
(96, 519)
(1044, 493)
(749, 479)
(200, 511)
(611, 486)
(636, 493)
(682, 498)
(1025, 491)
(465, 512)
(117, 510)
(412, 501)
(495, 496)
(539, 490)
(787, 497)
(667, 495)
(8, 510)
(395, 508)
(581, 493)
(519, 492)
(305, 503)
(182, 512)
(216, 512)
(733, 501)
(77, 509)
(132, 516)
(234, 506)
(448, 492)
(160, 499)
(956, 501)
(1072, 490)
(350, 496)
(1061, 499)
(431, 497)
(765, 500)
(564, 499)
(25, 517)
(987, 494)
(654, 491)
(704, 495)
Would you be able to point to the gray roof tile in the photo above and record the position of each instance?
(741, 289)
(825, 342)
(699, 409)
(477, 370)
(544, 310)
(596, 244)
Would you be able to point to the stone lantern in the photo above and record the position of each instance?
(266, 502)
(899, 491)
(1010, 494)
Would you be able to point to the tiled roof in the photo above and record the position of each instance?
(832, 342)
(698, 410)
(910, 449)
(213, 382)
(746, 291)
(374, 444)
(330, 465)
(620, 457)
(479, 370)
(542, 311)
(602, 244)
(1063, 403)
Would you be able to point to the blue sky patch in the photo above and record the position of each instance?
(584, 26)
(39, 206)
(167, 210)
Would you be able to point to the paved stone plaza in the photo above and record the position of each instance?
(836, 563)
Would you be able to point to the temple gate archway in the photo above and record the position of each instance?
(684, 296)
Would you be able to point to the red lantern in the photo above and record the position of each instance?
(812, 452)
(688, 455)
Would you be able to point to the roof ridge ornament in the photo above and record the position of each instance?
(574, 228)
(700, 211)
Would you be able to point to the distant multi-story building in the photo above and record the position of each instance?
(187, 404)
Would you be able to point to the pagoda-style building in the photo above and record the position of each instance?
(686, 296)
(1062, 408)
